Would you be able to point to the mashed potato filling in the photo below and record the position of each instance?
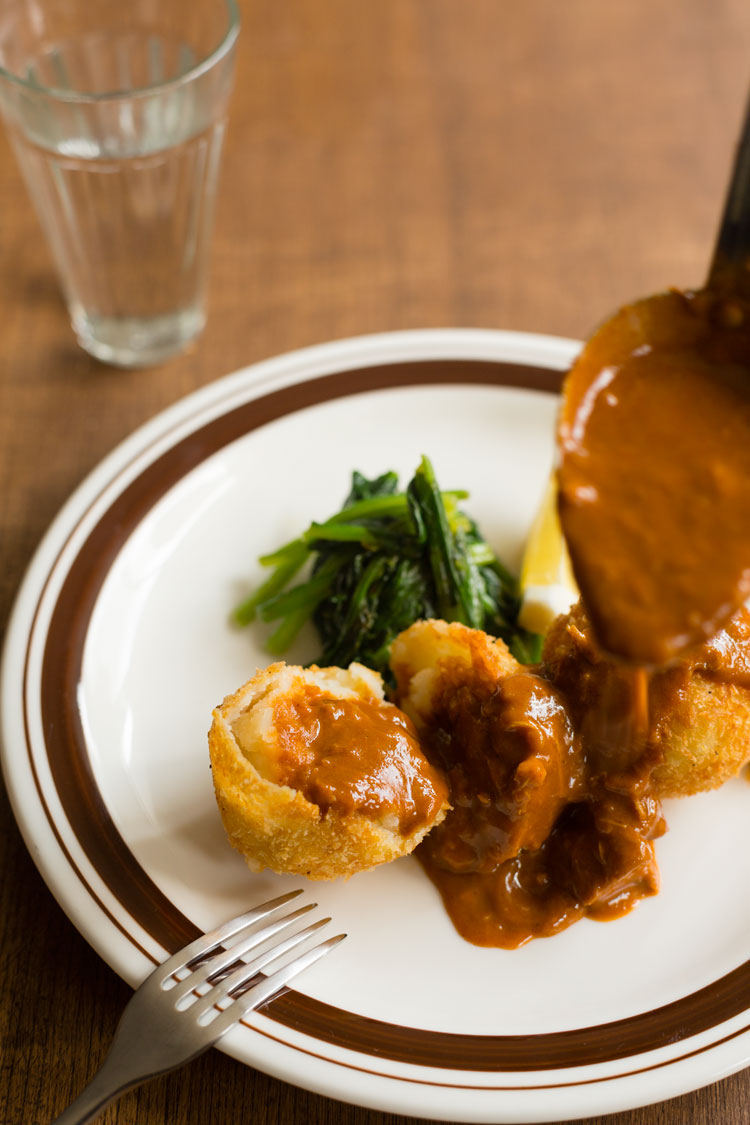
(354, 755)
(316, 774)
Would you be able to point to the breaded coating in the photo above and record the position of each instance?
(699, 708)
(429, 651)
(316, 775)
(501, 733)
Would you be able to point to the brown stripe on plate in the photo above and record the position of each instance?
(142, 899)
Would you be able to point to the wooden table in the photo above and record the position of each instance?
(392, 164)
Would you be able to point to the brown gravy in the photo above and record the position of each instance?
(552, 780)
(550, 771)
(539, 836)
(654, 487)
(357, 755)
(653, 479)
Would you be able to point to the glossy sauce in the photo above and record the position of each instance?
(726, 657)
(550, 771)
(653, 479)
(654, 497)
(538, 836)
(357, 755)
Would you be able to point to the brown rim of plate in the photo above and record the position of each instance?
(110, 856)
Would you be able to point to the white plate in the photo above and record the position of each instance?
(119, 647)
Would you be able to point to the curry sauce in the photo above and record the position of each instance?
(555, 777)
(540, 833)
(554, 773)
(357, 755)
(654, 475)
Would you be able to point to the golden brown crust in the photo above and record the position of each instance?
(705, 740)
(702, 730)
(273, 825)
(503, 736)
(430, 654)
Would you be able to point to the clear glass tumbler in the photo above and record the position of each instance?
(116, 112)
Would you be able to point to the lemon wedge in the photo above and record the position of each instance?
(547, 585)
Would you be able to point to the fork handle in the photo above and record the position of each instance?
(106, 1085)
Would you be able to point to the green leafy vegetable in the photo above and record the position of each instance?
(387, 559)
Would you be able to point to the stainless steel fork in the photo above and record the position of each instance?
(195, 997)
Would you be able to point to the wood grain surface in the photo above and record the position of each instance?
(389, 164)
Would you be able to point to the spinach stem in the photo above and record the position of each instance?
(385, 560)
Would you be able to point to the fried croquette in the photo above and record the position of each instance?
(315, 774)
(429, 651)
(699, 707)
(502, 735)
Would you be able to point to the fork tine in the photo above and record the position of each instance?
(214, 965)
(204, 944)
(246, 970)
(155, 1036)
(268, 987)
(278, 951)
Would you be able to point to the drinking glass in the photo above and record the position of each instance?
(116, 112)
